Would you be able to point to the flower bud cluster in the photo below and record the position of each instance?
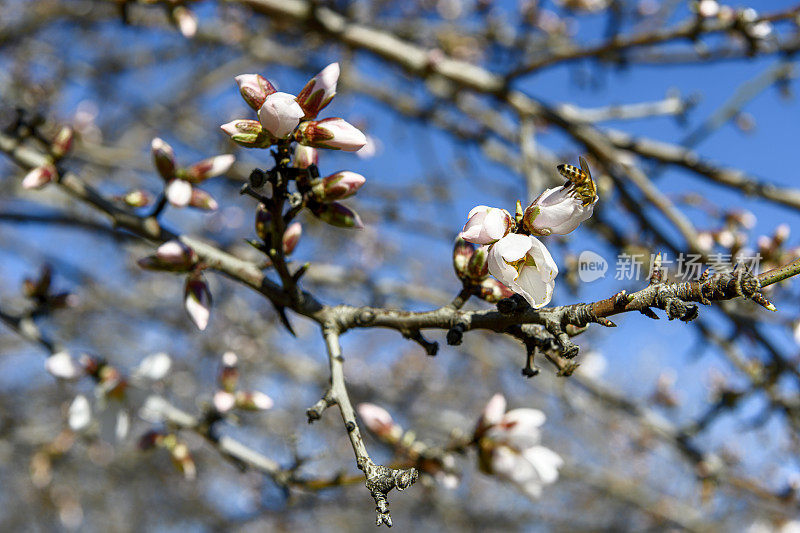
(180, 182)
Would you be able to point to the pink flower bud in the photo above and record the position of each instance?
(207, 168)
(248, 133)
(280, 114)
(380, 422)
(253, 401)
(255, 89)
(338, 186)
(137, 198)
(164, 158)
(39, 177)
(197, 300)
(62, 142)
(202, 200)
(319, 91)
(263, 222)
(493, 291)
(486, 225)
(305, 156)
(224, 401)
(291, 237)
(173, 256)
(332, 133)
(186, 21)
(337, 214)
(179, 192)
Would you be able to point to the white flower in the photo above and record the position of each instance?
(509, 447)
(486, 225)
(524, 265)
(558, 210)
(280, 114)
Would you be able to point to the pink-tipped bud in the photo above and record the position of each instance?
(197, 300)
(255, 89)
(229, 372)
(185, 20)
(39, 177)
(248, 133)
(280, 114)
(263, 222)
(319, 91)
(202, 200)
(305, 156)
(179, 192)
(224, 401)
(470, 262)
(163, 158)
(493, 291)
(137, 198)
(62, 142)
(332, 133)
(337, 214)
(207, 168)
(291, 237)
(173, 256)
(253, 401)
(338, 186)
(380, 422)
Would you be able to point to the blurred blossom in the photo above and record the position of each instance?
(508, 447)
(80, 413)
(186, 21)
(706, 8)
(63, 366)
(224, 401)
(197, 300)
(796, 331)
(154, 367)
(291, 237)
(179, 192)
(370, 149)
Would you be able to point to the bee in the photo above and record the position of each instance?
(580, 179)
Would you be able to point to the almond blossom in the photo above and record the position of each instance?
(180, 181)
(509, 447)
(558, 210)
(524, 265)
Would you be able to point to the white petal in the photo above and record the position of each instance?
(197, 312)
(179, 192)
(530, 285)
(494, 410)
(498, 267)
(280, 114)
(224, 401)
(545, 461)
(155, 366)
(544, 261)
(513, 247)
(80, 413)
